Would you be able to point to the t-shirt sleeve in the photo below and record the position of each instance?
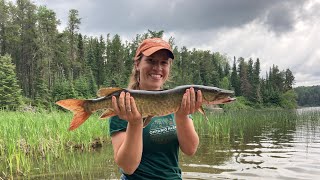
(116, 125)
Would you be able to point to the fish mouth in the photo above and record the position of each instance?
(222, 100)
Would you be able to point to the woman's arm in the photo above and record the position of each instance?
(127, 146)
(187, 136)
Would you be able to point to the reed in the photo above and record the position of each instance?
(240, 124)
(28, 136)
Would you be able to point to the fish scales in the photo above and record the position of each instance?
(149, 103)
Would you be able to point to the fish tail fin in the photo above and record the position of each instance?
(80, 115)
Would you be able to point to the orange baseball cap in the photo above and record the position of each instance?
(151, 45)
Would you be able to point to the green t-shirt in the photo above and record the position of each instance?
(160, 148)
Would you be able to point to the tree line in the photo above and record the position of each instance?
(308, 96)
(40, 65)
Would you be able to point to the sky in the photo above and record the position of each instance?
(278, 32)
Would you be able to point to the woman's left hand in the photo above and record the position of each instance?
(190, 103)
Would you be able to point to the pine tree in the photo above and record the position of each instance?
(3, 21)
(256, 82)
(26, 61)
(115, 63)
(245, 85)
(46, 41)
(289, 80)
(10, 93)
(234, 79)
(72, 29)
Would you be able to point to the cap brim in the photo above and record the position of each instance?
(152, 50)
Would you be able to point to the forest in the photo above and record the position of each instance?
(308, 96)
(40, 64)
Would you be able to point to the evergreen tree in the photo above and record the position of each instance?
(80, 55)
(256, 82)
(175, 70)
(81, 86)
(46, 41)
(43, 95)
(213, 67)
(245, 86)
(3, 26)
(308, 96)
(26, 61)
(115, 63)
(184, 64)
(289, 80)
(100, 61)
(72, 29)
(250, 72)
(10, 93)
(227, 70)
(155, 34)
(195, 66)
(235, 84)
(63, 89)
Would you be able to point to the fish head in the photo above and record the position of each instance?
(214, 95)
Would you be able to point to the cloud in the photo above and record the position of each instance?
(284, 33)
(180, 15)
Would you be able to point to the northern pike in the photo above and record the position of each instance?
(149, 103)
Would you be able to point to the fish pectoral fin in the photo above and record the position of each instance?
(201, 110)
(107, 91)
(147, 120)
(107, 113)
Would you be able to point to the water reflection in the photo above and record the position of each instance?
(285, 148)
(76, 165)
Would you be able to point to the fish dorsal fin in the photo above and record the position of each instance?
(107, 91)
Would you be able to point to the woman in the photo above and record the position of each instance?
(151, 152)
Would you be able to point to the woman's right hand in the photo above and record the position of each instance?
(126, 108)
(127, 146)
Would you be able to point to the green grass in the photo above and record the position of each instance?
(242, 124)
(28, 136)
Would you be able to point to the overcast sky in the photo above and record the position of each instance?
(280, 32)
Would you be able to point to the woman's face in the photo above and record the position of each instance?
(154, 70)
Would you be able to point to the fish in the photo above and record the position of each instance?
(149, 103)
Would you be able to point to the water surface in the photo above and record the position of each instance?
(281, 150)
(266, 147)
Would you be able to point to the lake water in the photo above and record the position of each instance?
(280, 152)
(276, 150)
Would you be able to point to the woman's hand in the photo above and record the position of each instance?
(187, 136)
(190, 103)
(127, 146)
(126, 108)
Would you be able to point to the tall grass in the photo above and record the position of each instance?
(240, 124)
(26, 136)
